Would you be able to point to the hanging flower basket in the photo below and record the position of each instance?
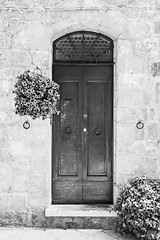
(36, 95)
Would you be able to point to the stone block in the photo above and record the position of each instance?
(152, 113)
(113, 22)
(41, 131)
(37, 190)
(130, 94)
(61, 24)
(6, 177)
(37, 200)
(2, 135)
(119, 3)
(8, 4)
(135, 64)
(125, 46)
(38, 164)
(4, 201)
(129, 81)
(49, 18)
(38, 218)
(123, 96)
(42, 59)
(157, 27)
(121, 180)
(95, 4)
(82, 222)
(49, 4)
(90, 18)
(18, 148)
(12, 22)
(139, 13)
(36, 184)
(3, 58)
(152, 132)
(29, 4)
(6, 87)
(20, 181)
(151, 167)
(139, 29)
(57, 4)
(32, 15)
(21, 166)
(147, 166)
(10, 73)
(155, 69)
(5, 41)
(123, 115)
(4, 154)
(121, 63)
(7, 103)
(126, 114)
(34, 36)
(144, 47)
(158, 92)
(17, 201)
(15, 218)
(140, 134)
(24, 143)
(124, 163)
(125, 133)
(18, 58)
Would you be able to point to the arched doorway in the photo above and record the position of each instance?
(83, 131)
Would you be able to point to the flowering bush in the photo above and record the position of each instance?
(138, 208)
(36, 95)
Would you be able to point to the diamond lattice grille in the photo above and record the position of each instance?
(85, 47)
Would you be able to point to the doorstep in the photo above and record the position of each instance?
(78, 216)
(78, 210)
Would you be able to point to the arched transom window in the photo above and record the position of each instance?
(83, 47)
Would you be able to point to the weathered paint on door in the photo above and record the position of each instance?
(83, 135)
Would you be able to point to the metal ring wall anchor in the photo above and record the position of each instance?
(140, 125)
(26, 125)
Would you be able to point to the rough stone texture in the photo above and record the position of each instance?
(155, 69)
(28, 29)
(27, 219)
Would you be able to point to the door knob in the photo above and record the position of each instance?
(68, 130)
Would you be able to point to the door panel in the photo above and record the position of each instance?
(96, 129)
(67, 165)
(97, 177)
(82, 135)
(68, 159)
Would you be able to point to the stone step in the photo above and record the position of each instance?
(81, 216)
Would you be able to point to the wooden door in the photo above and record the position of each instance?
(83, 135)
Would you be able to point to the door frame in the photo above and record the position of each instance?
(115, 76)
(112, 143)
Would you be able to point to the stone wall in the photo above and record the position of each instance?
(28, 29)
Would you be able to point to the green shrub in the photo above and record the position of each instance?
(138, 208)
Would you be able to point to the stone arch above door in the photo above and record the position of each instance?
(108, 22)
